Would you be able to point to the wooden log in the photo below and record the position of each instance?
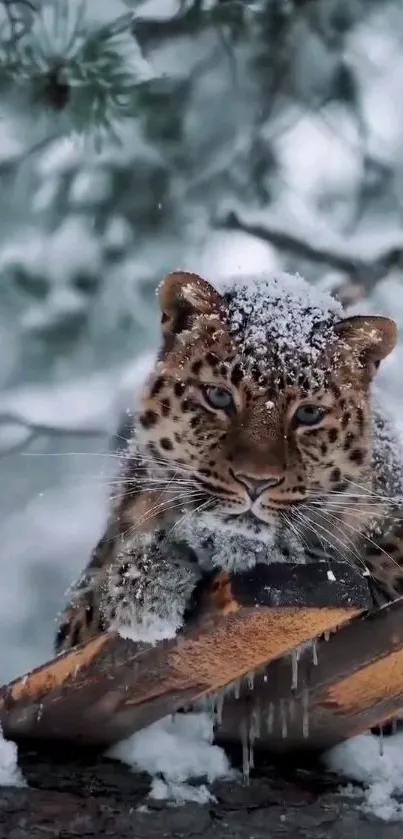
(105, 690)
(354, 682)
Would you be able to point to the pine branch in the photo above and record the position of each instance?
(63, 67)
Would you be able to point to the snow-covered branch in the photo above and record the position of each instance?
(17, 431)
(338, 254)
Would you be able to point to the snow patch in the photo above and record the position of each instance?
(10, 774)
(180, 748)
(378, 766)
(149, 630)
(232, 253)
(68, 251)
(281, 319)
(82, 404)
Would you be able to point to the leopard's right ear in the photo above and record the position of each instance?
(368, 339)
(183, 298)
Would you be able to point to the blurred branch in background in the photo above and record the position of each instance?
(361, 272)
(278, 121)
(17, 432)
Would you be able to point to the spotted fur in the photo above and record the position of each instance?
(204, 485)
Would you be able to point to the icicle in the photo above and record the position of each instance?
(219, 707)
(381, 743)
(251, 756)
(283, 717)
(326, 635)
(305, 713)
(251, 743)
(291, 709)
(294, 669)
(237, 689)
(250, 679)
(314, 653)
(255, 724)
(245, 751)
(394, 726)
(270, 718)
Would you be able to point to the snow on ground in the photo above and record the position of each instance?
(378, 766)
(10, 775)
(174, 751)
(53, 499)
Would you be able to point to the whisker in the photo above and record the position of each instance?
(307, 523)
(354, 550)
(294, 528)
(144, 460)
(150, 514)
(132, 493)
(373, 494)
(179, 497)
(152, 482)
(105, 453)
(369, 496)
(171, 507)
(372, 542)
(190, 514)
(358, 508)
(333, 537)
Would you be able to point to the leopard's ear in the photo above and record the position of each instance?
(369, 338)
(183, 297)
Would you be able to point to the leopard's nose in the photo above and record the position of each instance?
(256, 486)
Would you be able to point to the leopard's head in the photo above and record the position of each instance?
(258, 410)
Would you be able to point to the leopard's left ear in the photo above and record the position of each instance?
(370, 338)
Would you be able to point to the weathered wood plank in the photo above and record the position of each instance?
(109, 688)
(356, 684)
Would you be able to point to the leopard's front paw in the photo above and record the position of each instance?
(146, 597)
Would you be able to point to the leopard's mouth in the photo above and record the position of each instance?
(251, 521)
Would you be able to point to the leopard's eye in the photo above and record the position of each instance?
(219, 398)
(308, 415)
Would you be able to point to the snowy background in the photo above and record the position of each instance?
(268, 135)
(248, 150)
(264, 135)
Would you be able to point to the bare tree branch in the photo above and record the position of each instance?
(151, 31)
(359, 270)
(34, 430)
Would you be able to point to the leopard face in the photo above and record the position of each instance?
(259, 409)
